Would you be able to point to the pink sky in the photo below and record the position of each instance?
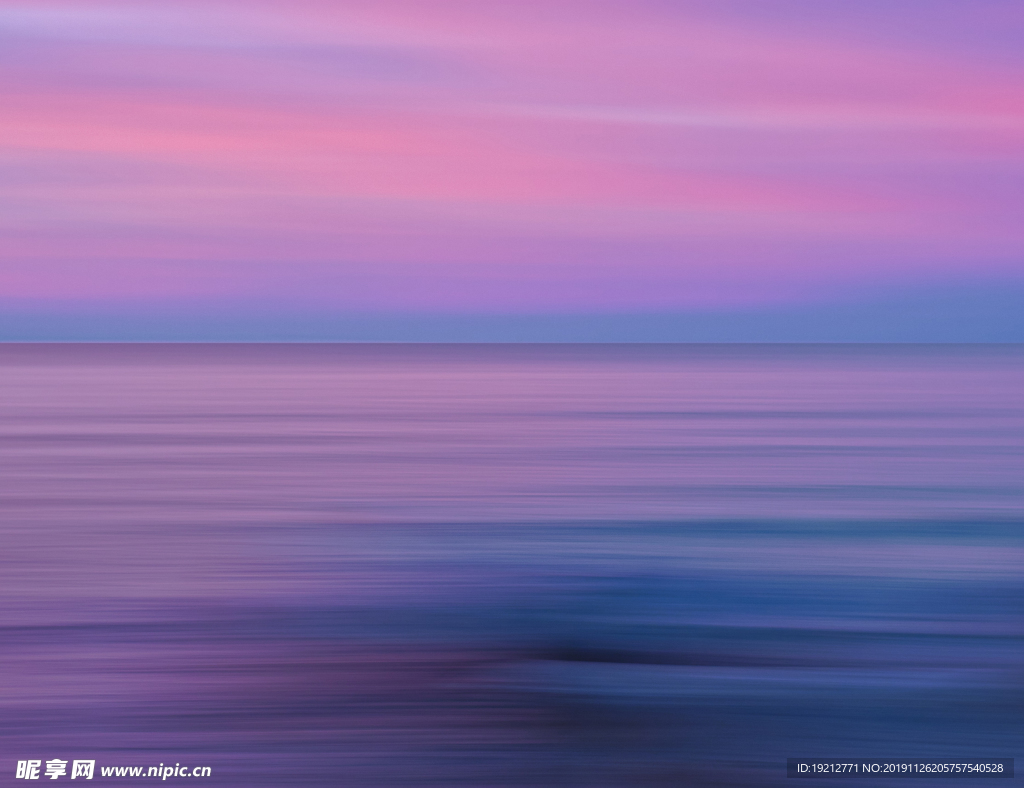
(537, 156)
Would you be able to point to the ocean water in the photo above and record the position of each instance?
(398, 565)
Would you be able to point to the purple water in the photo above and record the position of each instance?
(377, 565)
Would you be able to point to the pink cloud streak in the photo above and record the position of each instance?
(461, 156)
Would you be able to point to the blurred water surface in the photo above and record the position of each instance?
(375, 565)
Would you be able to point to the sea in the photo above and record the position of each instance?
(508, 565)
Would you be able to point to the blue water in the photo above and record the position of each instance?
(380, 565)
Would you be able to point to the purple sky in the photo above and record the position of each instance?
(228, 163)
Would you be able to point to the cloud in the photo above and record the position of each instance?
(465, 156)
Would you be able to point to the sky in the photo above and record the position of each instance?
(462, 170)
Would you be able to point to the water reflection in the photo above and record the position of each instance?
(393, 565)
